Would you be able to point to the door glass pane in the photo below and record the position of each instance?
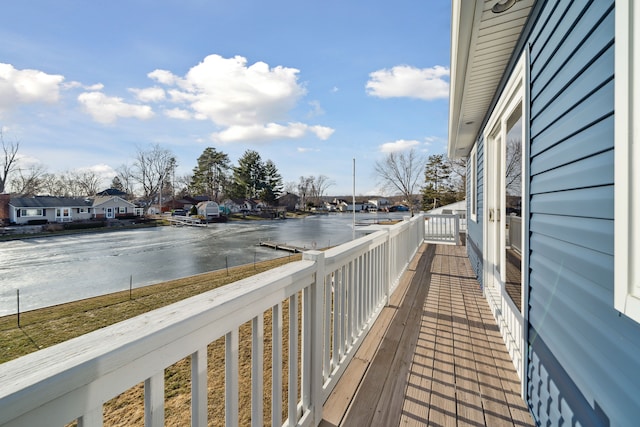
(513, 209)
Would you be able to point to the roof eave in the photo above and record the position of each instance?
(462, 24)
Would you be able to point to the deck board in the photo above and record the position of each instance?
(434, 357)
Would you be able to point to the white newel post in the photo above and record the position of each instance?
(316, 374)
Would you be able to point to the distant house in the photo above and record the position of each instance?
(111, 207)
(289, 201)
(43, 209)
(549, 87)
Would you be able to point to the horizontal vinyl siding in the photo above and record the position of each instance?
(584, 366)
(474, 228)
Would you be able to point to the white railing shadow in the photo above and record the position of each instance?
(332, 299)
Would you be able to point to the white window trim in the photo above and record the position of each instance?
(627, 154)
(473, 184)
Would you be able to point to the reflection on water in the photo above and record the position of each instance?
(59, 269)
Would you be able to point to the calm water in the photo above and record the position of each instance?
(53, 270)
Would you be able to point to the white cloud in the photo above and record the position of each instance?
(178, 113)
(269, 132)
(231, 93)
(248, 101)
(150, 94)
(306, 149)
(316, 109)
(397, 146)
(322, 132)
(406, 81)
(27, 86)
(104, 172)
(107, 109)
(163, 76)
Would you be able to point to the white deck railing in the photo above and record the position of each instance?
(443, 228)
(332, 298)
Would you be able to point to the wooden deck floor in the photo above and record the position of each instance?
(434, 357)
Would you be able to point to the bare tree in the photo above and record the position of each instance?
(304, 189)
(319, 185)
(458, 168)
(9, 160)
(513, 167)
(53, 185)
(88, 181)
(152, 168)
(29, 182)
(126, 177)
(400, 172)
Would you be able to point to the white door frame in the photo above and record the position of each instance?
(109, 213)
(511, 321)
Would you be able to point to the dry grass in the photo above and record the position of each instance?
(46, 327)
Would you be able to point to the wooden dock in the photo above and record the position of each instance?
(283, 247)
(434, 356)
(179, 221)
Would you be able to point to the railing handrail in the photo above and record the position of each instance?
(342, 291)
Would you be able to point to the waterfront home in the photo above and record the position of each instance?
(112, 207)
(43, 209)
(544, 109)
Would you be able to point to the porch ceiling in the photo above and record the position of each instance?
(482, 43)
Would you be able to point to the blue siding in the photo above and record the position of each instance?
(474, 228)
(583, 358)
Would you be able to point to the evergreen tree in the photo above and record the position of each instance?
(272, 183)
(210, 175)
(117, 184)
(249, 176)
(437, 191)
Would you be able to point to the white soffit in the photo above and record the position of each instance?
(482, 43)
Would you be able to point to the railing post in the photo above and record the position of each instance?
(387, 267)
(316, 374)
(199, 388)
(154, 400)
(457, 229)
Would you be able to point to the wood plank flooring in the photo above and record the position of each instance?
(434, 357)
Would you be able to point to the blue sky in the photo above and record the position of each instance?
(310, 85)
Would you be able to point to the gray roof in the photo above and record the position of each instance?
(49, 202)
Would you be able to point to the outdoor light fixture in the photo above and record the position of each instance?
(503, 5)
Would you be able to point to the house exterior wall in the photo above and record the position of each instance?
(583, 364)
(474, 228)
(116, 203)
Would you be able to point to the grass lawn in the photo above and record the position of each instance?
(48, 326)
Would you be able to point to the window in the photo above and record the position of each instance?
(627, 154)
(473, 185)
(31, 212)
(122, 209)
(83, 210)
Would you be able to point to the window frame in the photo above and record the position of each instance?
(28, 212)
(626, 184)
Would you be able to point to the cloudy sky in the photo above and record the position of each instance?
(310, 85)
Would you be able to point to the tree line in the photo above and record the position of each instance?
(151, 177)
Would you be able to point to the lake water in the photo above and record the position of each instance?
(58, 269)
